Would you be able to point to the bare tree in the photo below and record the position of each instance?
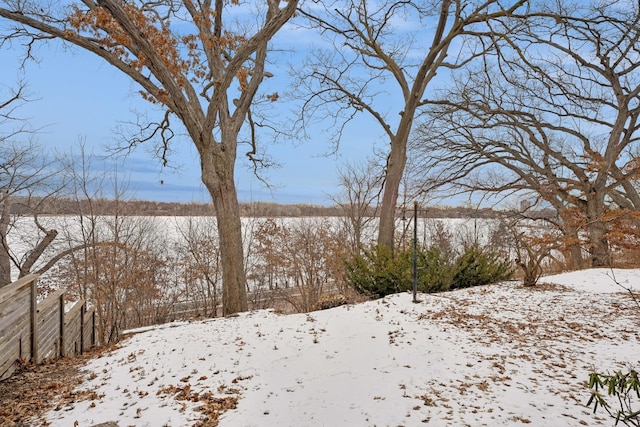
(206, 74)
(555, 112)
(528, 240)
(128, 281)
(407, 43)
(361, 186)
(199, 256)
(119, 262)
(29, 180)
(260, 283)
(300, 260)
(267, 272)
(82, 232)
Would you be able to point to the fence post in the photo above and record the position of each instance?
(93, 328)
(94, 337)
(63, 351)
(82, 311)
(34, 321)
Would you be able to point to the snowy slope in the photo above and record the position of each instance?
(494, 355)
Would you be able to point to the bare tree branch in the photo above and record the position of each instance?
(541, 115)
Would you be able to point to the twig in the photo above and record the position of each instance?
(612, 276)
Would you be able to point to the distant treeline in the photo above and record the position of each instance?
(251, 209)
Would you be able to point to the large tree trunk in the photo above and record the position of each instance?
(572, 247)
(395, 169)
(599, 251)
(598, 244)
(217, 176)
(5, 260)
(575, 261)
(597, 230)
(5, 268)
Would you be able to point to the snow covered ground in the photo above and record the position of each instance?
(486, 356)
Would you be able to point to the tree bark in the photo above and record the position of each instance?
(395, 170)
(599, 250)
(5, 259)
(597, 230)
(217, 176)
(572, 251)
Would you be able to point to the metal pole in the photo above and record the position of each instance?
(415, 251)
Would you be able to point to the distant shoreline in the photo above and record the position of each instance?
(62, 207)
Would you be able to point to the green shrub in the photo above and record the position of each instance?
(477, 267)
(625, 387)
(434, 269)
(377, 273)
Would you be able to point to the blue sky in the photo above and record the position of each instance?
(77, 96)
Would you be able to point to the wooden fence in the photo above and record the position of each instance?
(35, 332)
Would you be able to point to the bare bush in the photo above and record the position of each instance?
(127, 278)
(300, 261)
(198, 256)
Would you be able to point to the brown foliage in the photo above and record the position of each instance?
(198, 261)
(212, 407)
(300, 261)
(623, 236)
(100, 23)
(127, 281)
(36, 389)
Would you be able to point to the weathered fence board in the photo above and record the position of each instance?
(9, 353)
(73, 329)
(88, 329)
(12, 304)
(17, 286)
(79, 329)
(48, 319)
(36, 332)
